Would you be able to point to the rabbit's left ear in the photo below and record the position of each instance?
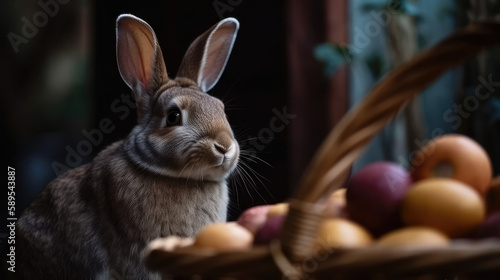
(207, 56)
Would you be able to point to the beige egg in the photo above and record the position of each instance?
(342, 233)
(413, 237)
(279, 209)
(224, 237)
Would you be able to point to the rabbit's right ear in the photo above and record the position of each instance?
(139, 56)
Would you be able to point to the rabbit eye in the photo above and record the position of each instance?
(174, 117)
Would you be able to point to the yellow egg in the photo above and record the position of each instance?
(413, 237)
(224, 237)
(337, 232)
(279, 209)
(444, 204)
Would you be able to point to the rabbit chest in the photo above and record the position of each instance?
(139, 205)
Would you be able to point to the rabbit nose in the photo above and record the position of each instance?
(221, 149)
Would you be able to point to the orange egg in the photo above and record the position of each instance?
(413, 237)
(444, 204)
(337, 232)
(454, 156)
(224, 237)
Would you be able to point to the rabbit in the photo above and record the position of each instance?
(167, 177)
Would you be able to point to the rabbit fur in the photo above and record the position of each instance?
(167, 177)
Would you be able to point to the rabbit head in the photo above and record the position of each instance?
(182, 131)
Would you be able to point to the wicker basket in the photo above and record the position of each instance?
(291, 256)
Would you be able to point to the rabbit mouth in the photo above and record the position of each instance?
(219, 165)
(209, 172)
(224, 163)
(221, 162)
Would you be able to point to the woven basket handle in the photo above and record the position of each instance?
(330, 166)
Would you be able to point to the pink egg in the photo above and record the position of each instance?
(254, 218)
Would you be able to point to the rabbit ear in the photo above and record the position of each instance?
(207, 56)
(139, 56)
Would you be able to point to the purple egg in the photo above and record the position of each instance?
(374, 195)
(490, 228)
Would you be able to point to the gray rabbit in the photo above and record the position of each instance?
(168, 177)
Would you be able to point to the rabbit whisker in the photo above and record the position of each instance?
(245, 181)
(234, 184)
(240, 133)
(236, 81)
(182, 170)
(189, 174)
(253, 185)
(249, 139)
(253, 158)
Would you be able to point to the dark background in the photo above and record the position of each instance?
(64, 80)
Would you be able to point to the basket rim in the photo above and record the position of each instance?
(390, 260)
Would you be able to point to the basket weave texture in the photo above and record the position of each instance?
(292, 255)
